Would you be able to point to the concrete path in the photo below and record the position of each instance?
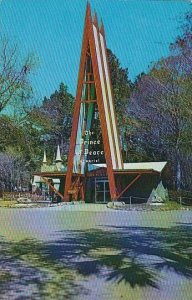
(90, 252)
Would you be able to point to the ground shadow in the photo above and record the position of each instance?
(28, 273)
(133, 255)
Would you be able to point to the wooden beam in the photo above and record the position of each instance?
(50, 174)
(135, 172)
(129, 185)
(88, 81)
(88, 101)
(52, 187)
(87, 27)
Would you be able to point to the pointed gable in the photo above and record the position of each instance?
(94, 96)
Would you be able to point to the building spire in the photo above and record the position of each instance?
(95, 21)
(44, 158)
(58, 156)
(88, 8)
(102, 27)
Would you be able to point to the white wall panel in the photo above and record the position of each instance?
(111, 103)
(104, 97)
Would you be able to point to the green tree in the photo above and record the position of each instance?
(162, 107)
(15, 87)
(122, 88)
(54, 119)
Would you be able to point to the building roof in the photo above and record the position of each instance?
(38, 179)
(140, 166)
(155, 166)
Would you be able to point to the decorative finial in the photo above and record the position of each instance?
(58, 156)
(44, 158)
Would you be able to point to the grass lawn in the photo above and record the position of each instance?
(7, 203)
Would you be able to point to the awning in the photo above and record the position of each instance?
(140, 166)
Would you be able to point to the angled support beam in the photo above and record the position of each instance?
(129, 185)
(77, 105)
(102, 105)
(52, 187)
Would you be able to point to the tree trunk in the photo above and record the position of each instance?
(178, 175)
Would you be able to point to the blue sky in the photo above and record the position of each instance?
(137, 31)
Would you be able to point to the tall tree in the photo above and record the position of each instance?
(162, 106)
(122, 87)
(14, 75)
(54, 119)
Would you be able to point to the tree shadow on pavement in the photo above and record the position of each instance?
(135, 255)
(28, 273)
(132, 255)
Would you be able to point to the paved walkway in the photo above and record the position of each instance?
(90, 252)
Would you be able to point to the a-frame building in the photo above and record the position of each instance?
(95, 170)
(94, 96)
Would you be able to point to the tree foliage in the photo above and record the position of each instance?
(22, 143)
(122, 88)
(54, 117)
(161, 105)
(15, 87)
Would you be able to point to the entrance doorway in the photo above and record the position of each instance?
(102, 193)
